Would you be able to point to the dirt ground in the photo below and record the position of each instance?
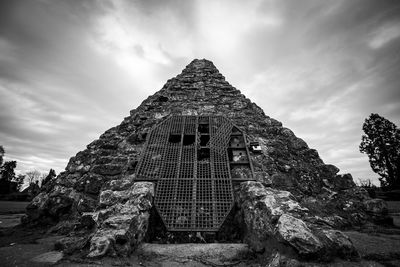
(35, 247)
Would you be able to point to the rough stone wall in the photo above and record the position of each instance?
(286, 162)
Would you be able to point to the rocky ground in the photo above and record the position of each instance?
(35, 247)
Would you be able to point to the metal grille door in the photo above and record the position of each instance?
(188, 157)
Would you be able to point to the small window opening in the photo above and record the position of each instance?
(203, 120)
(189, 140)
(204, 140)
(237, 141)
(174, 138)
(204, 128)
(203, 154)
(237, 156)
(235, 130)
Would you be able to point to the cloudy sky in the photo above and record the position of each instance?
(69, 70)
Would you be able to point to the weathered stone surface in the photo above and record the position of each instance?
(90, 184)
(101, 244)
(119, 184)
(123, 223)
(36, 208)
(339, 244)
(89, 219)
(86, 203)
(55, 204)
(297, 234)
(261, 209)
(71, 244)
(274, 220)
(344, 181)
(347, 204)
(64, 227)
(110, 197)
(107, 169)
(271, 202)
(279, 260)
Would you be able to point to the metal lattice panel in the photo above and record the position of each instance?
(189, 157)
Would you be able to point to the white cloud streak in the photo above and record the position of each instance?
(385, 34)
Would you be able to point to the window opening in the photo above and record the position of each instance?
(204, 119)
(203, 154)
(238, 155)
(189, 140)
(204, 139)
(204, 128)
(174, 138)
(237, 141)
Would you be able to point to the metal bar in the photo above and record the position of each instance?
(213, 191)
(194, 188)
(248, 156)
(179, 159)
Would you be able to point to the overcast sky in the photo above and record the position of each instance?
(70, 70)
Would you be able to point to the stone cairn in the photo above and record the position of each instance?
(296, 206)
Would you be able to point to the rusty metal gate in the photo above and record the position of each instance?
(190, 158)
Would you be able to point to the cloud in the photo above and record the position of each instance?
(385, 34)
(139, 32)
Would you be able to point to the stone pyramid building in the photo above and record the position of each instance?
(198, 160)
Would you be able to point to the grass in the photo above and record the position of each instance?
(9, 207)
(393, 206)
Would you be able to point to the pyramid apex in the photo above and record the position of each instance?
(201, 64)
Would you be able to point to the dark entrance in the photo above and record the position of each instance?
(194, 160)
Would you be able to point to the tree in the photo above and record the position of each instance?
(1, 155)
(20, 181)
(8, 181)
(7, 170)
(33, 176)
(7, 174)
(381, 143)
